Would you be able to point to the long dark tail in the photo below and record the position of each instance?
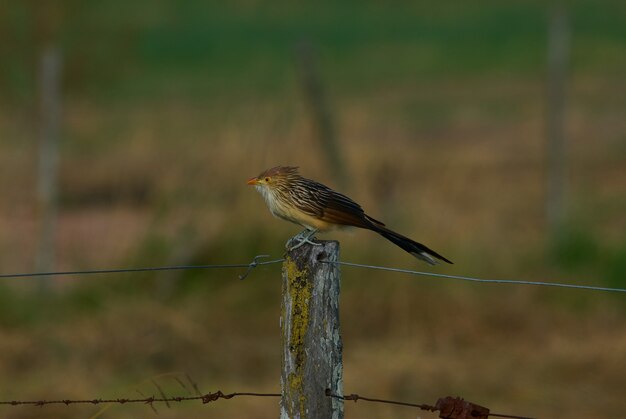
(416, 249)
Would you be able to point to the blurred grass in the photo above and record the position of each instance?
(169, 108)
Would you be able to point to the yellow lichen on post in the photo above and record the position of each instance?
(300, 295)
(300, 291)
(296, 385)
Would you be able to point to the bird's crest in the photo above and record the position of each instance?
(280, 171)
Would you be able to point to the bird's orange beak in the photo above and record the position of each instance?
(252, 181)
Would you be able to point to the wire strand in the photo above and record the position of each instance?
(250, 266)
(482, 280)
(205, 398)
(255, 262)
(422, 406)
(213, 397)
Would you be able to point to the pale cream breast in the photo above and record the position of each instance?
(306, 220)
(281, 209)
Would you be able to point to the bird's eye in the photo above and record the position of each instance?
(267, 179)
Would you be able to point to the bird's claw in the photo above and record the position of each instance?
(300, 243)
(302, 238)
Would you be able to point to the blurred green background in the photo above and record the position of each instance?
(439, 110)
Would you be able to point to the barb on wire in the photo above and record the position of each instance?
(451, 407)
(204, 398)
(356, 397)
(251, 265)
(162, 393)
(473, 279)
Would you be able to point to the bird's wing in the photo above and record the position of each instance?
(336, 208)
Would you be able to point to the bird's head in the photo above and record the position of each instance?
(274, 177)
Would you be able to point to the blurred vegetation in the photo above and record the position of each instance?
(170, 106)
(577, 250)
(147, 49)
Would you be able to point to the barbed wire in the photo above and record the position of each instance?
(205, 398)
(255, 263)
(453, 405)
(446, 404)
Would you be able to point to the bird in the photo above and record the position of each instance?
(318, 208)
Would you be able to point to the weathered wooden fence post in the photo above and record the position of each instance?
(311, 359)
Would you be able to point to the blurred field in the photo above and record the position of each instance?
(440, 109)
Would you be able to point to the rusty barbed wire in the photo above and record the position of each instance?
(205, 398)
(356, 397)
(449, 407)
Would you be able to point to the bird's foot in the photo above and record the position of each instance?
(301, 238)
(301, 242)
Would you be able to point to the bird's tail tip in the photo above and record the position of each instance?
(416, 249)
(430, 259)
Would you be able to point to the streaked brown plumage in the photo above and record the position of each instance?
(316, 207)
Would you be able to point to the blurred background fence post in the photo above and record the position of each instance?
(558, 52)
(311, 340)
(48, 23)
(319, 108)
(47, 177)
